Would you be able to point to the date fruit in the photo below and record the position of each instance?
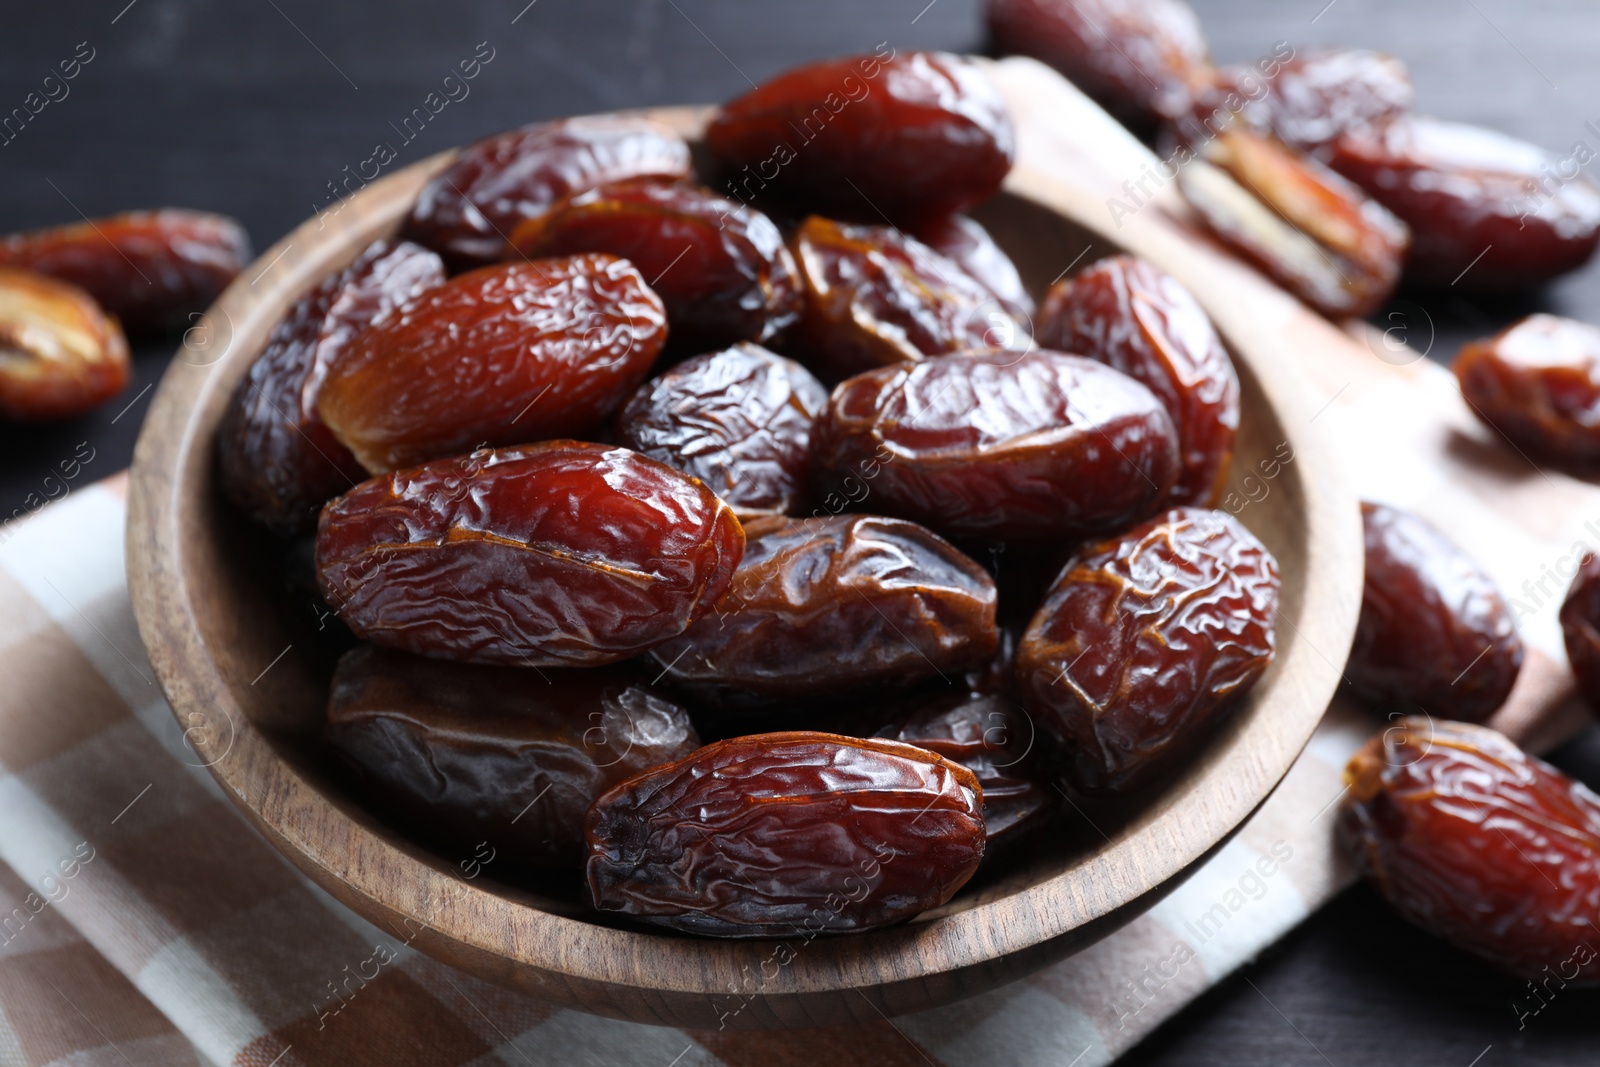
(1141, 60)
(739, 420)
(276, 459)
(468, 212)
(1317, 96)
(60, 355)
(1435, 631)
(964, 241)
(501, 355)
(834, 607)
(1478, 843)
(786, 835)
(875, 296)
(148, 268)
(1312, 231)
(721, 268)
(1537, 383)
(1580, 628)
(1145, 642)
(1488, 213)
(1027, 446)
(465, 754)
(556, 554)
(1131, 315)
(911, 136)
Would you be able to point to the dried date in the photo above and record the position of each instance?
(558, 554)
(1315, 97)
(1435, 631)
(963, 240)
(60, 355)
(1146, 642)
(1131, 315)
(501, 355)
(1026, 446)
(786, 835)
(1580, 629)
(277, 460)
(739, 420)
(1480, 844)
(1537, 383)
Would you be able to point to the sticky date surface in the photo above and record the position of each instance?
(1580, 629)
(1538, 383)
(60, 355)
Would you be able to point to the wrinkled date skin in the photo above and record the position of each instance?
(1580, 627)
(469, 211)
(60, 355)
(557, 554)
(835, 607)
(739, 420)
(1315, 233)
(721, 268)
(501, 355)
(875, 296)
(1317, 96)
(964, 241)
(148, 268)
(1468, 192)
(1145, 642)
(1142, 60)
(786, 835)
(1024, 446)
(1435, 630)
(465, 754)
(1480, 844)
(277, 460)
(914, 136)
(1538, 384)
(1131, 315)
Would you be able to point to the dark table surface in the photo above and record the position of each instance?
(252, 107)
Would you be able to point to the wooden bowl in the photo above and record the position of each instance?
(246, 678)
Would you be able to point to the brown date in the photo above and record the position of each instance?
(60, 355)
(834, 607)
(786, 835)
(148, 268)
(501, 355)
(739, 420)
(1026, 446)
(1480, 844)
(1537, 383)
(875, 296)
(1467, 193)
(276, 459)
(1313, 98)
(556, 554)
(1145, 642)
(1580, 629)
(963, 240)
(1142, 60)
(1312, 231)
(911, 136)
(462, 753)
(469, 211)
(721, 268)
(1131, 315)
(1435, 631)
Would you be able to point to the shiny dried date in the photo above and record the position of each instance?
(1315, 97)
(276, 459)
(834, 607)
(464, 754)
(1537, 383)
(1480, 844)
(786, 835)
(468, 212)
(60, 355)
(875, 296)
(1131, 315)
(1027, 446)
(148, 268)
(1484, 211)
(498, 356)
(915, 136)
(739, 420)
(720, 267)
(1145, 642)
(1435, 631)
(557, 554)
(1580, 629)
(963, 240)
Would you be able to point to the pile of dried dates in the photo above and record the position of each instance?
(598, 464)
